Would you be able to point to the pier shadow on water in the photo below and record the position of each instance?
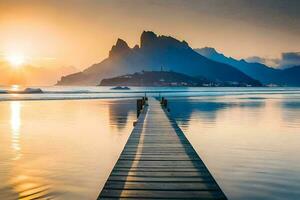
(123, 166)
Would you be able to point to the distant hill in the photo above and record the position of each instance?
(261, 72)
(290, 76)
(153, 53)
(155, 78)
(163, 78)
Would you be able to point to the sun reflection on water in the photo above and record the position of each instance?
(15, 123)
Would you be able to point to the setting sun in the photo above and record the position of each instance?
(16, 60)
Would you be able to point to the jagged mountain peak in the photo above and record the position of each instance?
(147, 38)
(121, 47)
(150, 40)
(136, 47)
(243, 60)
(121, 43)
(208, 52)
(209, 49)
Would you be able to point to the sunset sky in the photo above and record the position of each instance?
(77, 33)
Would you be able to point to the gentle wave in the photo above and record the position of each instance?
(94, 93)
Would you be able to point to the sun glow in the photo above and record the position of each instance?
(15, 87)
(16, 60)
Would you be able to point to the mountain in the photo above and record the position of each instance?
(156, 78)
(153, 53)
(258, 71)
(290, 76)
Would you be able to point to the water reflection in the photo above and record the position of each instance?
(30, 186)
(291, 112)
(291, 105)
(15, 122)
(250, 145)
(119, 112)
(45, 153)
(207, 111)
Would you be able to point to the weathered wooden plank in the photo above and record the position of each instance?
(158, 174)
(154, 186)
(157, 156)
(158, 162)
(145, 146)
(158, 159)
(161, 140)
(166, 153)
(185, 150)
(158, 169)
(143, 163)
(156, 149)
(162, 194)
(160, 179)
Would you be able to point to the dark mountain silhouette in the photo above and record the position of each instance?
(290, 76)
(153, 53)
(156, 78)
(261, 72)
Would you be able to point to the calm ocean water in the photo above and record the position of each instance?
(60, 149)
(249, 139)
(250, 143)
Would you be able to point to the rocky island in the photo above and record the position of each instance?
(163, 79)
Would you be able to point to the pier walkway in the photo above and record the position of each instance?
(158, 162)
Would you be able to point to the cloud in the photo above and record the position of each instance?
(287, 59)
(290, 59)
(255, 59)
(273, 62)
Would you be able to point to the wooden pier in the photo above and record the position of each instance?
(158, 162)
